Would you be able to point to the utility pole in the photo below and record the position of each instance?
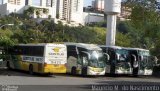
(112, 9)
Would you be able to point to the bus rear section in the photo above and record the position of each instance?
(39, 58)
(55, 58)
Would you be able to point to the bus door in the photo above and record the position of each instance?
(83, 60)
(72, 60)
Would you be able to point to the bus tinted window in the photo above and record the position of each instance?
(70, 47)
(72, 53)
(28, 50)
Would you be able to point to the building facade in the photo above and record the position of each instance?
(70, 11)
(18, 6)
(90, 18)
(11, 6)
(67, 11)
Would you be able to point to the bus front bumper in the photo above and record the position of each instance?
(95, 71)
(145, 72)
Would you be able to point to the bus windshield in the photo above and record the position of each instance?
(123, 53)
(96, 58)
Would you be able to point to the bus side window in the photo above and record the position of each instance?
(104, 50)
(72, 53)
(72, 57)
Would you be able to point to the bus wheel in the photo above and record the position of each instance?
(8, 65)
(73, 71)
(31, 69)
(135, 72)
(84, 71)
(112, 70)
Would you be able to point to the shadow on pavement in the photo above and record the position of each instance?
(11, 72)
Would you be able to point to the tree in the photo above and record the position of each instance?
(29, 12)
(45, 11)
(38, 13)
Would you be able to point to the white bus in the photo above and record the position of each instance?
(144, 61)
(119, 61)
(133, 61)
(39, 58)
(85, 59)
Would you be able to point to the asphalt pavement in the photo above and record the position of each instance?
(13, 80)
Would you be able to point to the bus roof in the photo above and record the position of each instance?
(114, 47)
(140, 49)
(86, 46)
(127, 48)
(39, 44)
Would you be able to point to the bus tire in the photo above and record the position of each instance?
(112, 70)
(155, 71)
(73, 71)
(8, 65)
(31, 69)
(135, 72)
(84, 71)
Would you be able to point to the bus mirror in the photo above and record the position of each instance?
(155, 60)
(135, 64)
(117, 56)
(134, 58)
(107, 56)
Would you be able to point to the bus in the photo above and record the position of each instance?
(130, 61)
(85, 59)
(44, 58)
(2, 58)
(119, 61)
(143, 62)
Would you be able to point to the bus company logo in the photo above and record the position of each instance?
(56, 49)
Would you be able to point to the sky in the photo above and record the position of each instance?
(87, 2)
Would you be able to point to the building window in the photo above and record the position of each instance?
(76, 4)
(26, 2)
(36, 2)
(50, 3)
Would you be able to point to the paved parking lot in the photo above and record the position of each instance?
(63, 82)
